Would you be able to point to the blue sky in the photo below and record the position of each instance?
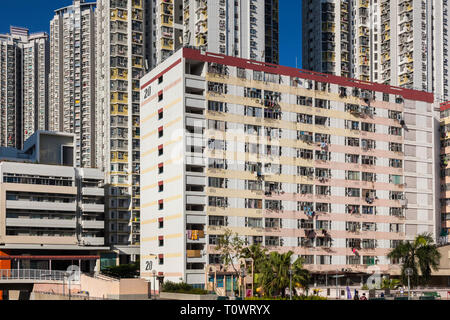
(36, 15)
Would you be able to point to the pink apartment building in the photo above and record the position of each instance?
(334, 169)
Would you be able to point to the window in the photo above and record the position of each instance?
(217, 182)
(273, 205)
(305, 224)
(160, 150)
(305, 154)
(161, 223)
(161, 186)
(305, 188)
(218, 221)
(160, 132)
(368, 160)
(352, 142)
(160, 96)
(160, 168)
(395, 163)
(395, 147)
(352, 175)
(217, 163)
(369, 210)
(352, 158)
(161, 205)
(353, 192)
(368, 127)
(306, 242)
(160, 114)
(160, 79)
(161, 260)
(304, 118)
(253, 222)
(161, 242)
(352, 209)
(218, 202)
(304, 101)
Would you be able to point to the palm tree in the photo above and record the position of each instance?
(421, 253)
(390, 283)
(257, 253)
(275, 276)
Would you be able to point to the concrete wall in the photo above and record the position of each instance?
(100, 288)
(134, 289)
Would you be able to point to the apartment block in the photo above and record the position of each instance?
(334, 169)
(399, 43)
(47, 205)
(122, 30)
(72, 77)
(242, 28)
(24, 85)
(444, 227)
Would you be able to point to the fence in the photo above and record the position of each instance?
(39, 275)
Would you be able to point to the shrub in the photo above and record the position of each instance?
(287, 298)
(181, 287)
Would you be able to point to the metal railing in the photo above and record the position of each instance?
(39, 275)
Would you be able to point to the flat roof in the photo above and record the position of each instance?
(410, 94)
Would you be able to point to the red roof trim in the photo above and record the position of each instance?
(49, 257)
(305, 74)
(445, 105)
(160, 74)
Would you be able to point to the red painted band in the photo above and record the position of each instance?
(160, 74)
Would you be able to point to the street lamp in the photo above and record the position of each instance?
(154, 283)
(409, 272)
(290, 281)
(243, 280)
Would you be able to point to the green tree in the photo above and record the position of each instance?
(257, 253)
(421, 254)
(230, 248)
(387, 283)
(275, 274)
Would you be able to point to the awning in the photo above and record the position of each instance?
(66, 258)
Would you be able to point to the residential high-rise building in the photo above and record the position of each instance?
(444, 227)
(35, 84)
(122, 28)
(24, 63)
(399, 43)
(336, 170)
(135, 36)
(243, 28)
(72, 77)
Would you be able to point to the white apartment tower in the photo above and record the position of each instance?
(400, 43)
(72, 77)
(23, 87)
(121, 59)
(241, 28)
